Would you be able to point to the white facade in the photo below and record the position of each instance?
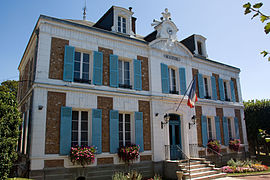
(81, 96)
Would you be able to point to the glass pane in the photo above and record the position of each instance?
(84, 136)
(124, 20)
(127, 126)
(85, 143)
(76, 75)
(121, 143)
(120, 136)
(173, 80)
(74, 136)
(170, 129)
(127, 117)
(126, 73)
(77, 56)
(85, 67)
(127, 136)
(77, 66)
(124, 29)
(85, 58)
(120, 127)
(84, 126)
(177, 135)
(85, 76)
(84, 115)
(120, 72)
(120, 117)
(75, 125)
(75, 115)
(74, 143)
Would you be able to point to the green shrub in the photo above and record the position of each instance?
(132, 175)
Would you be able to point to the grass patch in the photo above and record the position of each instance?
(18, 179)
(248, 173)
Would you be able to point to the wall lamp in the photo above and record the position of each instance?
(166, 119)
(193, 121)
(40, 107)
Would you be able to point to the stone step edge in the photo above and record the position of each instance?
(219, 175)
(198, 169)
(204, 172)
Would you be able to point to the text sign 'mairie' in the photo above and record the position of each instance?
(172, 57)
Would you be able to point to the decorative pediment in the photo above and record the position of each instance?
(169, 46)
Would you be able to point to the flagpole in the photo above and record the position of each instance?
(184, 94)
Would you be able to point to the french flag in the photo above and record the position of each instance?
(192, 97)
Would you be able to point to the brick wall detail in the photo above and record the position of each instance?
(57, 58)
(53, 163)
(54, 102)
(107, 160)
(106, 104)
(195, 74)
(238, 115)
(144, 106)
(198, 110)
(219, 112)
(235, 89)
(217, 86)
(145, 72)
(106, 64)
(146, 158)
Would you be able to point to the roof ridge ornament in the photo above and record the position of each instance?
(166, 15)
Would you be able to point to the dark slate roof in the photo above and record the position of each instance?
(151, 37)
(189, 42)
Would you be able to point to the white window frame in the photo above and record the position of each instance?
(122, 61)
(208, 86)
(231, 127)
(121, 27)
(89, 124)
(226, 83)
(170, 68)
(213, 127)
(132, 127)
(81, 64)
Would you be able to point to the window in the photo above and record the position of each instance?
(124, 129)
(124, 74)
(199, 44)
(79, 128)
(81, 67)
(230, 128)
(225, 83)
(122, 24)
(210, 132)
(206, 88)
(172, 81)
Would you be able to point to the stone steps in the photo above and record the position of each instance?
(199, 169)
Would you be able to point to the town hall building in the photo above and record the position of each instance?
(102, 84)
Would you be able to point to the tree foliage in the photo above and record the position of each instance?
(9, 127)
(257, 113)
(255, 9)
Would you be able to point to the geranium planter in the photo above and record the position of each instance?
(82, 155)
(213, 145)
(128, 153)
(234, 145)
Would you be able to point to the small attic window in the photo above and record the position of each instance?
(122, 24)
(199, 44)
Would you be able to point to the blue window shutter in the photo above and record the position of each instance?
(139, 130)
(236, 126)
(113, 70)
(218, 134)
(182, 77)
(204, 131)
(137, 75)
(164, 78)
(97, 68)
(201, 88)
(214, 88)
(232, 90)
(114, 131)
(97, 129)
(221, 89)
(225, 131)
(65, 130)
(69, 63)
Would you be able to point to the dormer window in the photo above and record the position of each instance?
(122, 24)
(199, 44)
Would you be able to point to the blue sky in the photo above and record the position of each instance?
(232, 37)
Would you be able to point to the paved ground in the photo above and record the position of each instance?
(262, 177)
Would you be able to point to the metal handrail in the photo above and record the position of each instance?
(187, 158)
(215, 152)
